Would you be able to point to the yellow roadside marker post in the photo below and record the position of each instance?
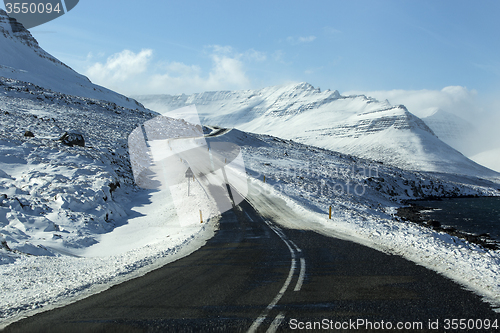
(330, 213)
(201, 217)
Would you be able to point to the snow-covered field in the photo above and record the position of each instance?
(154, 238)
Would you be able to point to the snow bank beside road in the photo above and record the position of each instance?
(71, 220)
(472, 266)
(150, 240)
(55, 195)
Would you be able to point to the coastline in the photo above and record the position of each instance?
(412, 211)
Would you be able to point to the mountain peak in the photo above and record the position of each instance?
(307, 89)
(304, 86)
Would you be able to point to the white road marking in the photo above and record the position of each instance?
(276, 299)
(276, 323)
(301, 275)
(278, 231)
(298, 249)
(279, 318)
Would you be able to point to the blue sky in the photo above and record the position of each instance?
(352, 46)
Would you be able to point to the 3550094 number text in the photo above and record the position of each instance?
(33, 8)
(470, 324)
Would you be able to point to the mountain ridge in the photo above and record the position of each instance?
(355, 124)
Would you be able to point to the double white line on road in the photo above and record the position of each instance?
(279, 318)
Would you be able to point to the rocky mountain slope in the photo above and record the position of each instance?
(21, 58)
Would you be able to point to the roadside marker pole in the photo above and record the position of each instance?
(201, 217)
(264, 179)
(330, 213)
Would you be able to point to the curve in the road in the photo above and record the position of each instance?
(248, 272)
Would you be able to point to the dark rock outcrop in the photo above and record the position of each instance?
(73, 139)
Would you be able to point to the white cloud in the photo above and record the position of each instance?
(120, 67)
(219, 49)
(457, 100)
(227, 72)
(278, 55)
(181, 69)
(307, 39)
(313, 70)
(300, 40)
(130, 73)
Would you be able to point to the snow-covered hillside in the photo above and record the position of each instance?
(21, 58)
(53, 193)
(356, 125)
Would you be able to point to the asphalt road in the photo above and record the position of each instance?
(255, 275)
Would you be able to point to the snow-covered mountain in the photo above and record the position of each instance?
(21, 58)
(356, 125)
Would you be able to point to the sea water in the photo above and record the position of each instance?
(472, 215)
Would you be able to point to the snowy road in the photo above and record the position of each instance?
(256, 275)
(268, 268)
